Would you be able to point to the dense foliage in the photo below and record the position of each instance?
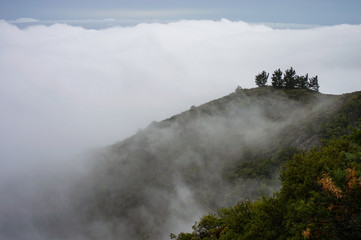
(261, 79)
(319, 199)
(347, 115)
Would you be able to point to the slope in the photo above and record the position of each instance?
(319, 199)
(167, 175)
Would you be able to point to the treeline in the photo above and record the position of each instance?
(319, 199)
(288, 80)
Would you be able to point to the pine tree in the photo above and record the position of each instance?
(261, 79)
(277, 80)
(289, 78)
(302, 81)
(313, 84)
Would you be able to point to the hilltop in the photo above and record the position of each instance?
(166, 176)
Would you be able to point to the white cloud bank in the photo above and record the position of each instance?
(64, 89)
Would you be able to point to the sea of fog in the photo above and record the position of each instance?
(67, 88)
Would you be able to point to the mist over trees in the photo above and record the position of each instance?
(288, 80)
(319, 199)
(209, 157)
(169, 174)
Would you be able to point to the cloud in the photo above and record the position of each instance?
(25, 20)
(147, 14)
(290, 25)
(65, 89)
(93, 87)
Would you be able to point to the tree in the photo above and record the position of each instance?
(319, 199)
(302, 81)
(322, 189)
(290, 78)
(277, 80)
(313, 84)
(261, 79)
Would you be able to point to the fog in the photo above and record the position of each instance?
(166, 176)
(66, 90)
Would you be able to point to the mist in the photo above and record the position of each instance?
(65, 91)
(166, 176)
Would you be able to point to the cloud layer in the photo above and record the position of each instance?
(84, 88)
(65, 89)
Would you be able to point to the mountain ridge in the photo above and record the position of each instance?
(319, 195)
(214, 156)
(210, 157)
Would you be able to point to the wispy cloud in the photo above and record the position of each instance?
(138, 13)
(24, 20)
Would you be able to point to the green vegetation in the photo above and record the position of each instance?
(319, 199)
(289, 80)
(226, 150)
(261, 79)
(347, 115)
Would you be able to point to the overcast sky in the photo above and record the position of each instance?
(323, 12)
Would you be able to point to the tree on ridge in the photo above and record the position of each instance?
(261, 79)
(289, 78)
(277, 80)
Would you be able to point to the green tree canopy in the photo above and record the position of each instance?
(319, 199)
(289, 78)
(302, 81)
(261, 79)
(313, 84)
(277, 80)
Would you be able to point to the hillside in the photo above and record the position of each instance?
(319, 199)
(166, 176)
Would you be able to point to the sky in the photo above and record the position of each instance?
(321, 12)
